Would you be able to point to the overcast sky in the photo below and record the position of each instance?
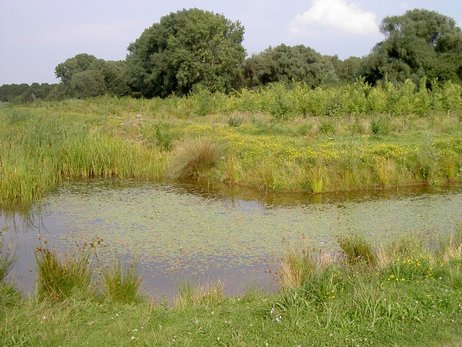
(36, 35)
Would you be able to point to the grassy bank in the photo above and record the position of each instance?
(215, 139)
(408, 293)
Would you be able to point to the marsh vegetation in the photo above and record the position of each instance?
(336, 139)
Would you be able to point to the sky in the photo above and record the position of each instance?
(36, 35)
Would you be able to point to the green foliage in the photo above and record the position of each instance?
(86, 84)
(186, 49)
(287, 64)
(346, 70)
(122, 283)
(380, 125)
(84, 76)
(357, 250)
(418, 43)
(24, 93)
(59, 279)
(277, 101)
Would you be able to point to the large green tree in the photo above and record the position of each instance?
(289, 64)
(185, 49)
(84, 76)
(418, 43)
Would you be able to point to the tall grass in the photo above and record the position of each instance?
(40, 151)
(121, 282)
(277, 139)
(193, 157)
(190, 295)
(59, 279)
(356, 249)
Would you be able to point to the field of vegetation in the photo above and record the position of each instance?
(188, 105)
(406, 293)
(274, 139)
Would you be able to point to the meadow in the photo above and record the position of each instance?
(273, 139)
(297, 139)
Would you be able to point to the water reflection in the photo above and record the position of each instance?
(190, 232)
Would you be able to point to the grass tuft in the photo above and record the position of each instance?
(356, 250)
(299, 265)
(190, 295)
(193, 157)
(59, 279)
(122, 283)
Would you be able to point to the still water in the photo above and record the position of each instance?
(197, 234)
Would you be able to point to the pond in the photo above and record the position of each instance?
(185, 232)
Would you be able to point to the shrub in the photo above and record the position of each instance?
(380, 126)
(235, 120)
(164, 137)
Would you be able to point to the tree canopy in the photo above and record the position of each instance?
(195, 49)
(289, 64)
(418, 43)
(84, 75)
(186, 49)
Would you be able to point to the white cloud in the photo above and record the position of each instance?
(339, 15)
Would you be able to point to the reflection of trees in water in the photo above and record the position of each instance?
(21, 221)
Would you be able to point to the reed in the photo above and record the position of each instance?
(122, 282)
(59, 279)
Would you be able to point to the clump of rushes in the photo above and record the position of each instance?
(59, 279)
(193, 157)
(356, 250)
(190, 295)
(122, 282)
(300, 264)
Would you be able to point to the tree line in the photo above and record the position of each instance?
(192, 50)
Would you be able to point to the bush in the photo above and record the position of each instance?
(380, 126)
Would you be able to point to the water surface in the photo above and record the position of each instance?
(185, 232)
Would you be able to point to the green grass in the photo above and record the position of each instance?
(44, 143)
(61, 278)
(356, 250)
(413, 299)
(122, 283)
